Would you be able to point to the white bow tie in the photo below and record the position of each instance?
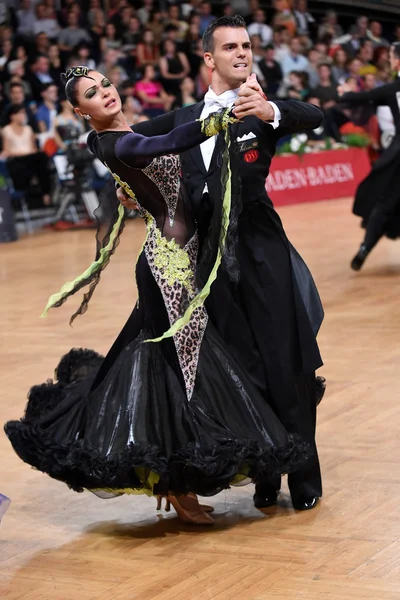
(214, 102)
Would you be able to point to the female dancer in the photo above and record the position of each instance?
(168, 412)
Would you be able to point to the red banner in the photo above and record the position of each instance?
(327, 175)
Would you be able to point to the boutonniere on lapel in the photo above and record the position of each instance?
(248, 141)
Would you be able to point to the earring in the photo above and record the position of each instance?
(87, 117)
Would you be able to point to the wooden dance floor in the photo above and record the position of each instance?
(59, 545)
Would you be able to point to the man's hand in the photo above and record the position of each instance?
(125, 200)
(252, 101)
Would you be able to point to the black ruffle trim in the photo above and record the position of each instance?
(192, 469)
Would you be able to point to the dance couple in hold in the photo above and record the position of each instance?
(212, 380)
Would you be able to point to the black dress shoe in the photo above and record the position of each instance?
(359, 258)
(320, 387)
(262, 501)
(306, 503)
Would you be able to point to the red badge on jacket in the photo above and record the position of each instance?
(251, 156)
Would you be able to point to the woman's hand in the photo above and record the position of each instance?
(125, 200)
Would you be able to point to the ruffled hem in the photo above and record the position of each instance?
(204, 471)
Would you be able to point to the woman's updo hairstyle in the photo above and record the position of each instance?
(70, 82)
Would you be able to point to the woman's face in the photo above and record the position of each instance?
(110, 30)
(97, 97)
(148, 37)
(54, 52)
(21, 53)
(149, 72)
(294, 80)
(7, 46)
(341, 57)
(169, 47)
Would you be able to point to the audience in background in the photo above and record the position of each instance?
(152, 51)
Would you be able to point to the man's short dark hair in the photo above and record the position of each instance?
(236, 22)
(396, 49)
(16, 84)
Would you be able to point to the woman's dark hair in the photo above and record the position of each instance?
(14, 109)
(70, 82)
(236, 22)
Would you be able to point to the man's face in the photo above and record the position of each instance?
(205, 9)
(370, 81)
(376, 29)
(295, 46)
(51, 94)
(260, 16)
(17, 95)
(42, 64)
(231, 59)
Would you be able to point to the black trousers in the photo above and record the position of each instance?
(306, 481)
(383, 212)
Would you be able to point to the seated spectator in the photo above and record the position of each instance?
(97, 34)
(112, 40)
(39, 75)
(16, 72)
(353, 67)
(381, 58)
(366, 55)
(298, 85)
(5, 57)
(56, 65)
(68, 127)
(259, 27)
(352, 45)
(95, 7)
(153, 97)
(46, 22)
(174, 67)
(325, 91)
(47, 110)
(26, 19)
(281, 41)
(16, 95)
(187, 92)
(72, 35)
(156, 25)
(339, 68)
(132, 109)
(305, 22)
(257, 48)
(175, 18)
(374, 34)
(42, 43)
(284, 16)
(133, 36)
(330, 26)
(206, 16)
(123, 18)
(271, 71)
(144, 13)
(294, 61)
(147, 51)
(314, 59)
(24, 161)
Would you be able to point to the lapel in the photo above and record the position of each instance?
(195, 153)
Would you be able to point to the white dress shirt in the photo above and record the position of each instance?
(214, 103)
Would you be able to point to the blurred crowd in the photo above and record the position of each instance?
(152, 52)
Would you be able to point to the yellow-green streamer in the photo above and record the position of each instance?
(68, 287)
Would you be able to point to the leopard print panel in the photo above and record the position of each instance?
(175, 277)
(164, 171)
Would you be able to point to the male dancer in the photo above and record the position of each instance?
(377, 198)
(275, 299)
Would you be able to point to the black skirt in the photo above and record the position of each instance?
(123, 423)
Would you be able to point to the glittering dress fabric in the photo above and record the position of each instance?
(169, 409)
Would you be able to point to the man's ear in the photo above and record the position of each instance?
(208, 59)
